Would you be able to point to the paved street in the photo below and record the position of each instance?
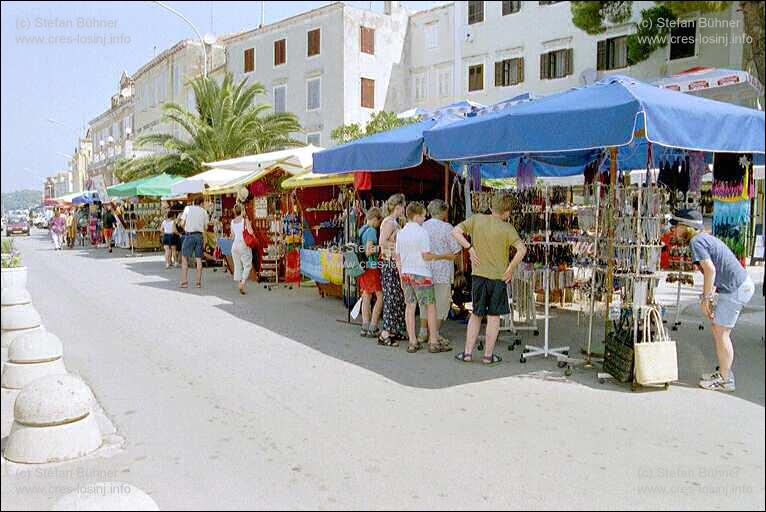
(268, 402)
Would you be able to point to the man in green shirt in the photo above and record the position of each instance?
(492, 236)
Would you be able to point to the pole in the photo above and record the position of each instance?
(610, 236)
(201, 39)
(446, 183)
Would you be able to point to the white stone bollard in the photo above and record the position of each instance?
(107, 496)
(18, 313)
(53, 422)
(31, 356)
(15, 277)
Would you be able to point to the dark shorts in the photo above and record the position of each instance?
(192, 246)
(169, 239)
(489, 296)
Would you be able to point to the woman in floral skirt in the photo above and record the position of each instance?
(394, 328)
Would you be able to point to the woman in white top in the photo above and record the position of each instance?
(240, 252)
(169, 235)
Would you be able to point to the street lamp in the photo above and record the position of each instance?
(202, 40)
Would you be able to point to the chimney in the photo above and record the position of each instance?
(390, 7)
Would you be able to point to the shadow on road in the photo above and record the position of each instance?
(319, 323)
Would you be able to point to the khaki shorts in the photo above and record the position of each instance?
(443, 293)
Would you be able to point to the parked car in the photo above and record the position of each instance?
(17, 225)
(40, 222)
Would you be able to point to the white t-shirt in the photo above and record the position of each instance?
(411, 243)
(167, 226)
(237, 228)
(195, 219)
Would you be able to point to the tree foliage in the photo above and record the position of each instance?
(226, 122)
(591, 16)
(379, 122)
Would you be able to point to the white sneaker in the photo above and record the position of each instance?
(718, 383)
(709, 376)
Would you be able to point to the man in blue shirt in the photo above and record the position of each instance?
(724, 274)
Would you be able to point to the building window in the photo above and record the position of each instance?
(511, 8)
(368, 93)
(421, 87)
(556, 64)
(475, 12)
(313, 42)
(314, 138)
(612, 53)
(445, 81)
(683, 40)
(280, 98)
(509, 72)
(313, 94)
(249, 60)
(367, 40)
(476, 78)
(432, 35)
(280, 52)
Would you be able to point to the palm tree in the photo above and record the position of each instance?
(226, 123)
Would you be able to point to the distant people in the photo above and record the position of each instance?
(444, 245)
(492, 236)
(393, 328)
(413, 257)
(169, 235)
(108, 222)
(57, 227)
(369, 282)
(723, 274)
(194, 220)
(240, 252)
(71, 229)
(120, 233)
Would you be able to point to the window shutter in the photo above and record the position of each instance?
(601, 55)
(499, 74)
(544, 66)
(367, 40)
(569, 61)
(520, 69)
(368, 93)
(314, 42)
(249, 60)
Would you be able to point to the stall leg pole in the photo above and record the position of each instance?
(677, 321)
(610, 236)
(446, 183)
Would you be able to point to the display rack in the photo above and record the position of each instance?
(145, 220)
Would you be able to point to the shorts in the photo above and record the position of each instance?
(369, 282)
(108, 234)
(729, 305)
(168, 239)
(443, 293)
(418, 290)
(193, 245)
(489, 296)
(179, 240)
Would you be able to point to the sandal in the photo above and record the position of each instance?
(464, 358)
(387, 341)
(364, 333)
(411, 349)
(490, 360)
(373, 333)
(184, 285)
(198, 284)
(438, 348)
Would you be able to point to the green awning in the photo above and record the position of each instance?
(151, 186)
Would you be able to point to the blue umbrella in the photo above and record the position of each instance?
(608, 113)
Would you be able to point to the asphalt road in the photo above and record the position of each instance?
(268, 402)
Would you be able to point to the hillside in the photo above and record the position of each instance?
(21, 199)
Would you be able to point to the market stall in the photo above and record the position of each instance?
(593, 124)
(143, 212)
(277, 227)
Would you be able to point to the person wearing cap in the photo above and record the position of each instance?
(724, 274)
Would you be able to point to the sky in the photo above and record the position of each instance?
(70, 79)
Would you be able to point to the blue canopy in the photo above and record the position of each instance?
(87, 197)
(400, 148)
(604, 114)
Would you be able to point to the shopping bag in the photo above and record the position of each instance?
(353, 267)
(618, 350)
(248, 236)
(356, 309)
(656, 356)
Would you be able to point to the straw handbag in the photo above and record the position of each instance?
(656, 358)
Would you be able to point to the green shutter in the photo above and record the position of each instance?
(499, 74)
(601, 56)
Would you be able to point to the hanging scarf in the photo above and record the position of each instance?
(697, 169)
(525, 174)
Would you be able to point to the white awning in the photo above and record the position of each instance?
(294, 161)
(198, 183)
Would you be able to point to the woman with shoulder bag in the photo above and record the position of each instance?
(241, 253)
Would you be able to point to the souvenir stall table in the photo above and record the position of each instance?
(615, 120)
